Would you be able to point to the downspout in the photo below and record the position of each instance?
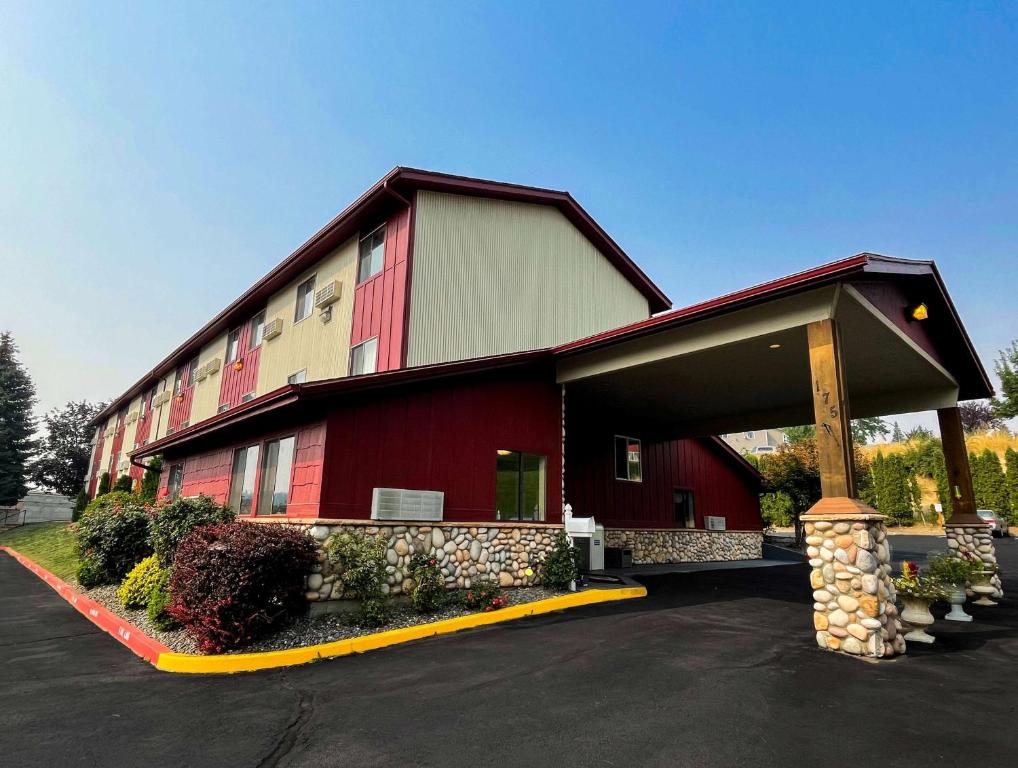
(135, 463)
(394, 193)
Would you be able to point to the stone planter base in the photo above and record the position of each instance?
(685, 545)
(853, 596)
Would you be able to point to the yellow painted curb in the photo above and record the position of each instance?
(249, 662)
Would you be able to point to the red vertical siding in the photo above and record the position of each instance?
(208, 474)
(380, 302)
(180, 405)
(97, 459)
(306, 482)
(442, 437)
(235, 384)
(720, 487)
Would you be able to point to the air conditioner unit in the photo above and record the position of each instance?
(131, 417)
(272, 329)
(328, 293)
(124, 465)
(109, 431)
(403, 504)
(160, 398)
(213, 365)
(714, 523)
(201, 373)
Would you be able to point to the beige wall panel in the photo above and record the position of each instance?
(104, 459)
(162, 412)
(130, 430)
(492, 276)
(321, 348)
(205, 400)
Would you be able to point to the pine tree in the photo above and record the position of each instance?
(1011, 480)
(892, 485)
(17, 424)
(943, 486)
(897, 436)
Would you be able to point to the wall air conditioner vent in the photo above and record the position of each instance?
(212, 366)
(403, 504)
(328, 293)
(201, 373)
(273, 328)
(124, 465)
(714, 523)
(131, 417)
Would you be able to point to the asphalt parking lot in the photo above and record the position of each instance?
(711, 669)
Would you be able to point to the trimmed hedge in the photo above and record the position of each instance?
(113, 535)
(232, 582)
(159, 601)
(174, 520)
(134, 591)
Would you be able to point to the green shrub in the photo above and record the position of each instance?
(124, 483)
(158, 601)
(486, 596)
(777, 509)
(150, 480)
(232, 582)
(104, 485)
(173, 521)
(360, 565)
(428, 594)
(560, 565)
(112, 536)
(80, 502)
(954, 570)
(135, 589)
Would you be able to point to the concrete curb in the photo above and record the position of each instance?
(168, 661)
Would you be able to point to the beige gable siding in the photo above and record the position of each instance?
(130, 430)
(104, 458)
(493, 276)
(205, 400)
(323, 349)
(162, 411)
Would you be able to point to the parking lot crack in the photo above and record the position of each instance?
(292, 731)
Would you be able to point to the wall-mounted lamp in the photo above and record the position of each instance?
(326, 314)
(919, 312)
(774, 346)
(503, 452)
(238, 365)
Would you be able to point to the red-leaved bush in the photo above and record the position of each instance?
(232, 582)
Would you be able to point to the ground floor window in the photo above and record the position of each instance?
(175, 481)
(242, 481)
(274, 491)
(628, 459)
(519, 485)
(682, 504)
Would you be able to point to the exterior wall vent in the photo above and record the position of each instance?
(402, 504)
(201, 373)
(161, 398)
(714, 523)
(273, 329)
(109, 431)
(124, 465)
(212, 365)
(131, 417)
(328, 293)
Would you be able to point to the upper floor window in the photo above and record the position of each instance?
(142, 407)
(364, 357)
(305, 299)
(628, 459)
(372, 255)
(298, 378)
(233, 345)
(749, 435)
(257, 328)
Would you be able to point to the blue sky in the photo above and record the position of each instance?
(156, 160)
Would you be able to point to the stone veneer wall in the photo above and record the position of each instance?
(978, 541)
(684, 545)
(467, 553)
(853, 608)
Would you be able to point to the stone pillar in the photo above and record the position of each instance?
(853, 596)
(977, 541)
(966, 531)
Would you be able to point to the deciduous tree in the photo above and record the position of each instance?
(1006, 406)
(978, 415)
(63, 463)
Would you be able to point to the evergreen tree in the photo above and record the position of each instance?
(943, 487)
(63, 465)
(1011, 480)
(104, 485)
(150, 481)
(988, 482)
(897, 436)
(892, 485)
(17, 424)
(124, 483)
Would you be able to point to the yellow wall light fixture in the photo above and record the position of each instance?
(919, 312)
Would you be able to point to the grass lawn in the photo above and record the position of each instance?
(51, 545)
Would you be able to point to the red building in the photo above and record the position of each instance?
(453, 360)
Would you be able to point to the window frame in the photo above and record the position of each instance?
(253, 510)
(691, 495)
(260, 325)
(615, 459)
(233, 337)
(262, 471)
(303, 373)
(297, 317)
(170, 492)
(361, 345)
(542, 514)
(361, 253)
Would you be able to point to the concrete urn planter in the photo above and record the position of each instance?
(917, 615)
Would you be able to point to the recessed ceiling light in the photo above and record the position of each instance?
(775, 346)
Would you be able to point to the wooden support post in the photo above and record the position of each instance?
(830, 406)
(959, 474)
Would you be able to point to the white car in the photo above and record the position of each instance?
(998, 525)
